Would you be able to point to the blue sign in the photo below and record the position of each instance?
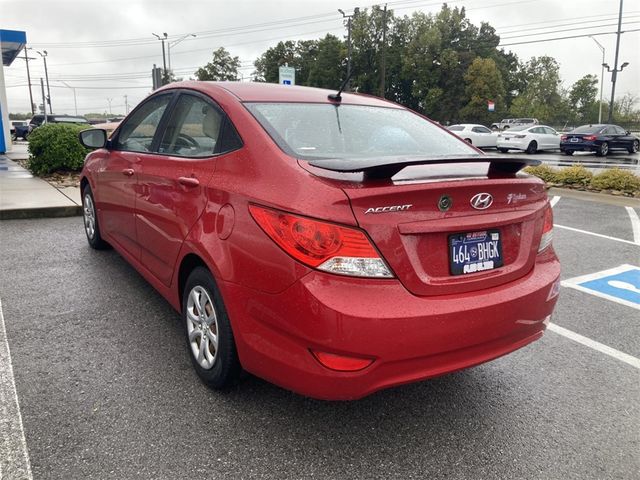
(620, 285)
(286, 82)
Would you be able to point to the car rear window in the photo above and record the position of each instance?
(517, 128)
(313, 131)
(588, 129)
(69, 120)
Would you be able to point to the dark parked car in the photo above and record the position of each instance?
(37, 120)
(275, 219)
(19, 129)
(600, 139)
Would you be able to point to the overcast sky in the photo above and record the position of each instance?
(95, 46)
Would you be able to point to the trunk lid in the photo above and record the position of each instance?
(409, 224)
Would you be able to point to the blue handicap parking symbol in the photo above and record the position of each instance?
(621, 285)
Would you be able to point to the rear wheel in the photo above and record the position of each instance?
(90, 217)
(635, 146)
(208, 332)
(503, 150)
(603, 149)
(532, 148)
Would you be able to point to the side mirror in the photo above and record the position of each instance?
(628, 132)
(93, 138)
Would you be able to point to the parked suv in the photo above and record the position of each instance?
(514, 122)
(38, 120)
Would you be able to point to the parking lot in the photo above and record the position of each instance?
(106, 389)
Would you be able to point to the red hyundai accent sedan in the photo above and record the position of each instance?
(334, 245)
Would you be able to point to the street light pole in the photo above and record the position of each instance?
(601, 80)
(164, 60)
(75, 102)
(109, 100)
(349, 18)
(174, 43)
(44, 101)
(26, 59)
(615, 70)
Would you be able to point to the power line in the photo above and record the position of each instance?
(565, 38)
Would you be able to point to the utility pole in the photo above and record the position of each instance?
(109, 100)
(383, 65)
(126, 105)
(601, 79)
(44, 54)
(174, 43)
(44, 101)
(615, 70)
(349, 18)
(164, 60)
(26, 59)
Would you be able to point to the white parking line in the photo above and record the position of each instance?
(597, 234)
(14, 456)
(600, 347)
(635, 223)
(555, 200)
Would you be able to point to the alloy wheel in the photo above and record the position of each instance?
(202, 327)
(89, 214)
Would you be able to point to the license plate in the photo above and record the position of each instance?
(475, 252)
(507, 138)
(574, 139)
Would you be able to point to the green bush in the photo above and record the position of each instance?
(575, 175)
(617, 179)
(55, 146)
(544, 172)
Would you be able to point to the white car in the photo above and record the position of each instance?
(477, 135)
(529, 139)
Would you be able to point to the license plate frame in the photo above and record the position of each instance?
(466, 257)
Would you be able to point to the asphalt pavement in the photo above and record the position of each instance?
(106, 389)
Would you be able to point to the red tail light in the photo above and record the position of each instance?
(589, 138)
(563, 137)
(547, 229)
(326, 246)
(342, 363)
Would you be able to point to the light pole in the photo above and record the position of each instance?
(615, 69)
(349, 18)
(109, 100)
(44, 54)
(75, 102)
(174, 43)
(164, 60)
(601, 79)
(26, 59)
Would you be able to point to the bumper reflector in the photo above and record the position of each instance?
(341, 363)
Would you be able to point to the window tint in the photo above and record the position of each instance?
(229, 139)
(481, 130)
(549, 131)
(136, 134)
(456, 128)
(608, 131)
(587, 129)
(620, 130)
(313, 131)
(193, 128)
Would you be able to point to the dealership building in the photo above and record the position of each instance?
(12, 42)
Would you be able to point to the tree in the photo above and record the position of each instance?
(541, 97)
(582, 99)
(223, 67)
(483, 83)
(326, 71)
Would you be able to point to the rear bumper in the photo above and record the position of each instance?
(512, 145)
(578, 147)
(411, 338)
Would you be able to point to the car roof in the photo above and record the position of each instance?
(271, 92)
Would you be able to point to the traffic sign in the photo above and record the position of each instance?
(287, 76)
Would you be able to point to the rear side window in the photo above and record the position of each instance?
(481, 130)
(193, 129)
(456, 128)
(137, 132)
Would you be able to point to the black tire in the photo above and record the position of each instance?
(468, 140)
(503, 150)
(91, 227)
(568, 152)
(225, 366)
(635, 146)
(603, 150)
(532, 147)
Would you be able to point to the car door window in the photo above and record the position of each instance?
(137, 132)
(193, 128)
(620, 131)
(550, 131)
(608, 131)
(481, 130)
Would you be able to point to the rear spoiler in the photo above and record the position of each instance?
(387, 167)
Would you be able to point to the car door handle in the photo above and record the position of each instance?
(188, 181)
(128, 172)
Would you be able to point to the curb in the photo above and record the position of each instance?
(43, 212)
(595, 197)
